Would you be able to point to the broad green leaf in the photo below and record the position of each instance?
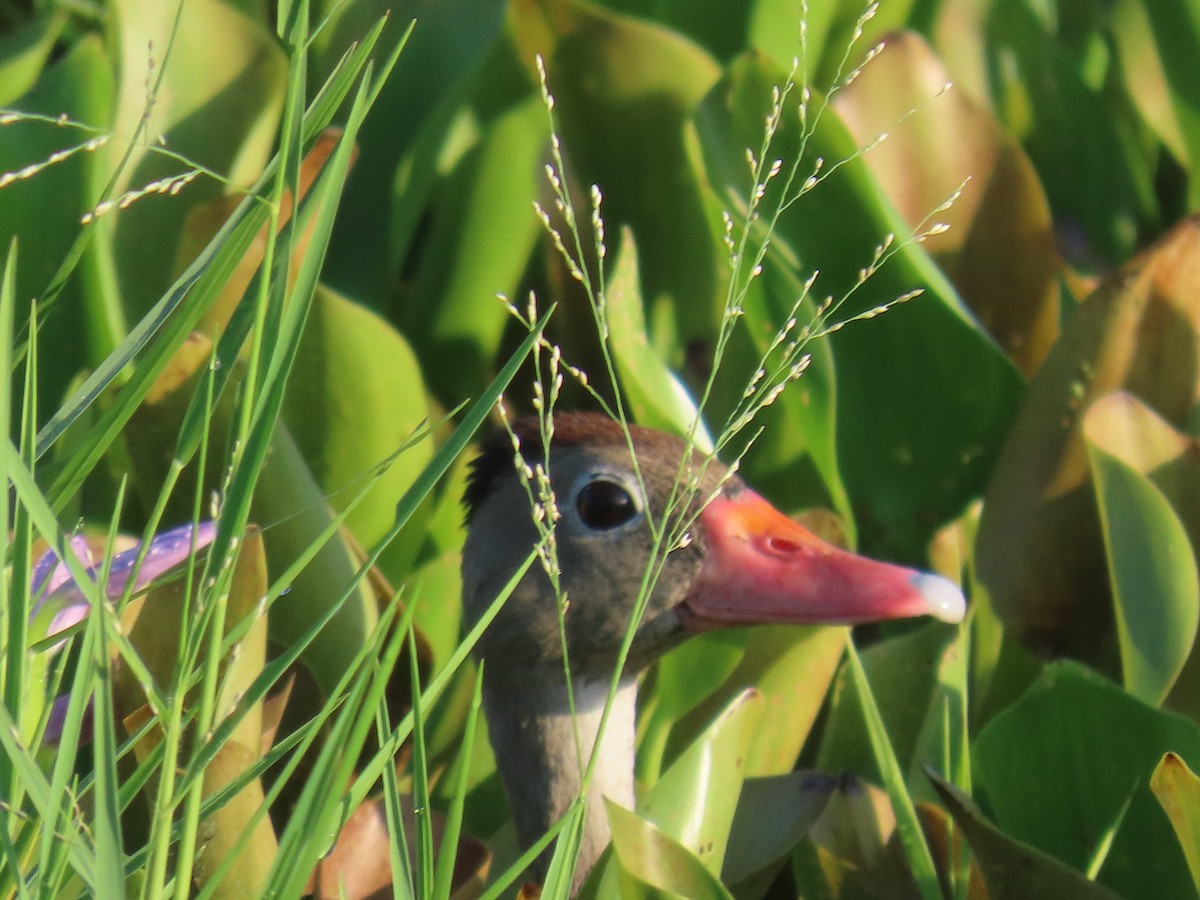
(773, 815)
(903, 462)
(287, 496)
(803, 420)
(774, 30)
(1058, 767)
(695, 800)
(44, 210)
(24, 51)
(903, 672)
(1013, 870)
(450, 308)
(1050, 93)
(908, 829)
(654, 865)
(1133, 433)
(792, 666)
(355, 397)
(1039, 550)
(1154, 42)
(654, 393)
(444, 57)
(623, 90)
(218, 104)
(1152, 571)
(682, 679)
(1000, 249)
(1178, 790)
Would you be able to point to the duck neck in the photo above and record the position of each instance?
(542, 751)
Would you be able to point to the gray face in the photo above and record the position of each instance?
(604, 545)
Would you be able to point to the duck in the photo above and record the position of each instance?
(731, 559)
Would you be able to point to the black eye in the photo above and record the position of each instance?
(604, 504)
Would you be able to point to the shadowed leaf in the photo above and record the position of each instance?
(1039, 549)
(1012, 870)
(1057, 769)
(999, 251)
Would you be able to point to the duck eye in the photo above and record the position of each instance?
(603, 505)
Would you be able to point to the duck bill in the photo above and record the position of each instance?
(760, 567)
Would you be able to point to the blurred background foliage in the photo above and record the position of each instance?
(1028, 424)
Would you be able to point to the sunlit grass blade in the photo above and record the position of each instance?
(323, 807)
(403, 884)
(45, 801)
(422, 813)
(106, 824)
(916, 850)
(13, 612)
(452, 830)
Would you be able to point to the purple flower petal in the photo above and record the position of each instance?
(49, 571)
(167, 550)
(58, 720)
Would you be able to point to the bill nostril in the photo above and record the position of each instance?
(782, 546)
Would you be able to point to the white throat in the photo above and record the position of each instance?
(542, 762)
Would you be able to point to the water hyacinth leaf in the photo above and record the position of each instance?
(287, 495)
(443, 58)
(903, 672)
(1153, 41)
(624, 89)
(1126, 428)
(854, 836)
(1103, 192)
(1152, 570)
(236, 844)
(682, 679)
(355, 396)
(205, 220)
(803, 419)
(1059, 794)
(903, 464)
(450, 311)
(1013, 870)
(24, 51)
(695, 799)
(1178, 790)
(999, 250)
(774, 30)
(792, 666)
(1039, 550)
(650, 862)
(773, 815)
(1132, 432)
(238, 83)
(45, 210)
(655, 395)
(155, 626)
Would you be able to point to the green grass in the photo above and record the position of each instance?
(217, 325)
